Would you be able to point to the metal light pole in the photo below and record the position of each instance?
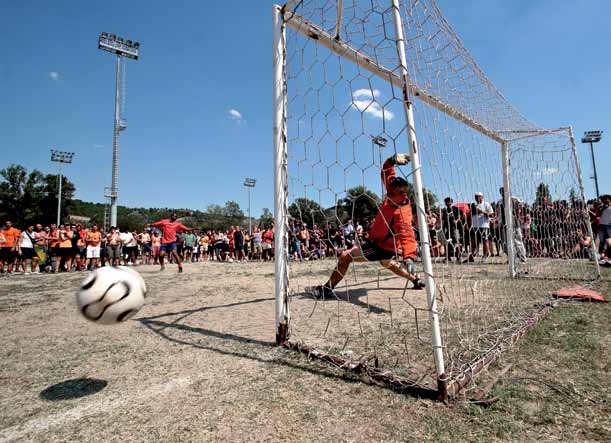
(249, 183)
(380, 142)
(122, 48)
(60, 157)
(592, 137)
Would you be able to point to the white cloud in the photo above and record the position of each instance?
(98, 146)
(373, 108)
(53, 75)
(363, 100)
(366, 93)
(235, 114)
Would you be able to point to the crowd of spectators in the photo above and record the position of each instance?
(546, 228)
(458, 231)
(72, 248)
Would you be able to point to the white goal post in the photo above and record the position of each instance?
(347, 74)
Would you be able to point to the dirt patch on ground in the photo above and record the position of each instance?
(196, 364)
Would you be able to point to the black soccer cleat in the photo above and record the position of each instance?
(418, 284)
(321, 291)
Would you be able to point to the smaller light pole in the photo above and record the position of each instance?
(60, 157)
(593, 137)
(380, 142)
(249, 183)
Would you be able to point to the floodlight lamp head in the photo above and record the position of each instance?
(592, 136)
(379, 140)
(119, 46)
(61, 156)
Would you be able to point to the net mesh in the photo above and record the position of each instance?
(344, 120)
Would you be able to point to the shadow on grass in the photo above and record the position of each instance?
(75, 388)
(163, 329)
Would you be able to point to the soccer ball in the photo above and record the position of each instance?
(111, 295)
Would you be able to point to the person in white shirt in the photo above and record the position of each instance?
(480, 226)
(25, 250)
(130, 247)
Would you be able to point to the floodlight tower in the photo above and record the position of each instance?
(60, 157)
(249, 183)
(122, 48)
(593, 137)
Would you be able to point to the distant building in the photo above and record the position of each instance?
(79, 219)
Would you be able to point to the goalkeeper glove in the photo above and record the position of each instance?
(400, 159)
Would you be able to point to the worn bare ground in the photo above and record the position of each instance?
(198, 364)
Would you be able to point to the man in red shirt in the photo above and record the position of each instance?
(391, 234)
(168, 238)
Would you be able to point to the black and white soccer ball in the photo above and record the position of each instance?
(111, 295)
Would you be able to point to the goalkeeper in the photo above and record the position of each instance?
(391, 234)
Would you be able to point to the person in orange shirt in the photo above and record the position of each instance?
(8, 246)
(93, 239)
(168, 238)
(65, 248)
(391, 234)
(53, 242)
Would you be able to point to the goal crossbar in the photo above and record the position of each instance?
(320, 36)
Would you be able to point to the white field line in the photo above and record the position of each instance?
(41, 424)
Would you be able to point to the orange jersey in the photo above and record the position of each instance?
(10, 236)
(392, 228)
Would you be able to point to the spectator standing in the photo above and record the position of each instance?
(129, 243)
(604, 225)
(93, 240)
(204, 245)
(155, 245)
(257, 248)
(145, 243)
(189, 240)
(40, 247)
(25, 251)
(268, 240)
(65, 249)
(480, 223)
(113, 246)
(452, 220)
(9, 237)
(238, 243)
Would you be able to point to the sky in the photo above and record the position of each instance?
(199, 99)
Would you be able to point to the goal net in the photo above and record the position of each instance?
(497, 203)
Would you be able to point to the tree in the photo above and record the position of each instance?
(18, 193)
(48, 204)
(308, 211)
(232, 209)
(266, 220)
(542, 193)
(359, 204)
(32, 198)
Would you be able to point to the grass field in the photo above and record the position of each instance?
(198, 364)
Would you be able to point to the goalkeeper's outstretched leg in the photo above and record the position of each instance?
(391, 233)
